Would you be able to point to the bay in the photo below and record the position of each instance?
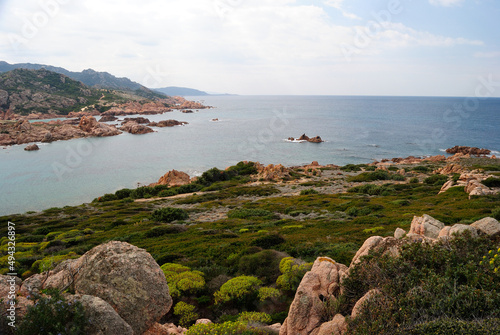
(356, 129)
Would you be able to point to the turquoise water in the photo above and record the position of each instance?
(356, 130)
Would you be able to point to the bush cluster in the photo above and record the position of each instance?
(169, 214)
(52, 314)
(427, 283)
(375, 175)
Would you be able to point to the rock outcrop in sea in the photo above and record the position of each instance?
(304, 137)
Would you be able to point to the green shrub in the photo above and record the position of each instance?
(107, 197)
(186, 313)
(141, 192)
(54, 315)
(226, 328)
(123, 193)
(189, 188)
(168, 193)
(242, 169)
(264, 264)
(254, 317)
(212, 176)
(496, 213)
(50, 262)
(372, 189)
(268, 293)
(164, 230)
(240, 289)
(181, 280)
(292, 272)
(350, 168)
(268, 241)
(308, 191)
(245, 213)
(421, 168)
(414, 180)
(376, 175)
(447, 326)
(447, 279)
(492, 182)
(169, 214)
(436, 179)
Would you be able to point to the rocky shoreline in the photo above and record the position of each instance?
(17, 129)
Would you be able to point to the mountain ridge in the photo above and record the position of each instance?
(90, 78)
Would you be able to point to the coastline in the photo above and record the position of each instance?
(278, 174)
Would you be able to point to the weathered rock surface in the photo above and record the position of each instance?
(488, 226)
(449, 232)
(364, 300)
(140, 120)
(304, 137)
(90, 125)
(127, 278)
(272, 172)
(338, 326)
(134, 107)
(102, 318)
(399, 233)
(166, 329)
(468, 150)
(173, 178)
(426, 226)
(133, 127)
(32, 147)
(108, 118)
(388, 245)
(167, 123)
(307, 308)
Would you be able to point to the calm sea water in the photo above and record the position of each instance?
(356, 130)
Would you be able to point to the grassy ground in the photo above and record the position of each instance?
(327, 214)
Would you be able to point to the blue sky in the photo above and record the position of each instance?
(337, 47)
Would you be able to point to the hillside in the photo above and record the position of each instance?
(253, 227)
(27, 91)
(89, 77)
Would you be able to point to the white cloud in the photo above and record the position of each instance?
(446, 3)
(262, 46)
(337, 4)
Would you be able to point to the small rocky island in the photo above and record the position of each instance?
(304, 137)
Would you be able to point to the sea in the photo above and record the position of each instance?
(355, 129)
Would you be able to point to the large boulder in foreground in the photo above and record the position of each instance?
(318, 285)
(426, 226)
(128, 279)
(488, 226)
(102, 318)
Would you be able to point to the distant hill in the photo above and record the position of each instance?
(180, 91)
(90, 78)
(26, 91)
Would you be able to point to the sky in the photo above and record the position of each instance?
(261, 47)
